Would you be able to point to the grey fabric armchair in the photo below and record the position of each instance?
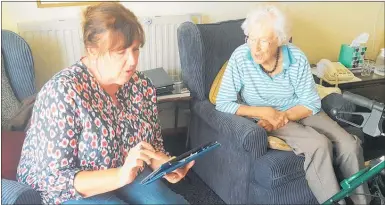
(18, 83)
(243, 170)
(19, 65)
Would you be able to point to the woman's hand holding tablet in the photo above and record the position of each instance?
(172, 171)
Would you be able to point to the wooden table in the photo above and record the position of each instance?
(372, 87)
(175, 98)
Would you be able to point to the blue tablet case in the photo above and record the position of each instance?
(180, 161)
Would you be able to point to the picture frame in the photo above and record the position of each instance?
(54, 4)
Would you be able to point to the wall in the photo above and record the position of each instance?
(319, 28)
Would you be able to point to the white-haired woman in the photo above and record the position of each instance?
(274, 80)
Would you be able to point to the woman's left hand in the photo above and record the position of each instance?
(174, 176)
(178, 174)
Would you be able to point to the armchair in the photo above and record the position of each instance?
(17, 85)
(243, 170)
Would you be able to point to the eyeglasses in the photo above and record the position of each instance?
(262, 43)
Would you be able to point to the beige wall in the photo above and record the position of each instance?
(319, 28)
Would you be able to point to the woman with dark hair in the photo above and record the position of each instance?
(94, 130)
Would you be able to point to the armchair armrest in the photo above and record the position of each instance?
(14, 192)
(246, 133)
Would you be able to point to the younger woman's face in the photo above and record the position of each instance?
(117, 67)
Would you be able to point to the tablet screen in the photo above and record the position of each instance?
(192, 152)
(179, 161)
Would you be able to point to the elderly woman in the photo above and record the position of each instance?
(274, 80)
(94, 130)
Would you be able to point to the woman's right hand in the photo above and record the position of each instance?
(276, 118)
(142, 153)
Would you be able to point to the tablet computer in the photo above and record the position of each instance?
(179, 161)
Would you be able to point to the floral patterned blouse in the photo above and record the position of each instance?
(76, 126)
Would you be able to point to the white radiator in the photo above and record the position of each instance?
(57, 44)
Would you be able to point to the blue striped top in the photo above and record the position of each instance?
(293, 86)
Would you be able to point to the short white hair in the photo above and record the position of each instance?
(281, 25)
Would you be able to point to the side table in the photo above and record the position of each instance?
(176, 98)
(372, 86)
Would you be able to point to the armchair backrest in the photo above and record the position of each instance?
(203, 49)
(18, 64)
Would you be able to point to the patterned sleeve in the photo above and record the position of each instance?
(59, 123)
(149, 91)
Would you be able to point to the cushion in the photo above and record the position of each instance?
(216, 84)
(9, 103)
(11, 145)
(22, 119)
(278, 144)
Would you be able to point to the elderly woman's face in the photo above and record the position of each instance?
(262, 42)
(117, 67)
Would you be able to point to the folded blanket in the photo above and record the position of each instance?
(21, 121)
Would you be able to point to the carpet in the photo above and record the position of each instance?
(192, 188)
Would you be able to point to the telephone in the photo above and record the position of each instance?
(334, 71)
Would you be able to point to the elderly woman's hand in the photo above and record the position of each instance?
(276, 118)
(265, 125)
